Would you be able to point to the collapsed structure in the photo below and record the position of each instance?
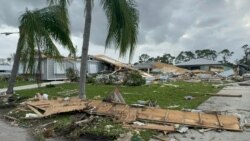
(158, 118)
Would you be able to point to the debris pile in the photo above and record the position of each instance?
(156, 118)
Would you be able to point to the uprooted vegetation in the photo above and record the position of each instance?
(105, 127)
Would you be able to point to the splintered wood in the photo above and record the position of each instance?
(158, 117)
(51, 107)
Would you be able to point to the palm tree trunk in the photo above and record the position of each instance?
(14, 70)
(85, 48)
(39, 71)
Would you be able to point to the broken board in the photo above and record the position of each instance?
(128, 114)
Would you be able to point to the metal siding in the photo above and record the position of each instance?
(52, 75)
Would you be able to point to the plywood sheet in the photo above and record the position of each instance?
(51, 107)
(228, 122)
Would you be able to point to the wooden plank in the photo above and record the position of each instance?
(153, 127)
(218, 118)
(35, 110)
(10, 117)
(200, 119)
(166, 116)
(191, 119)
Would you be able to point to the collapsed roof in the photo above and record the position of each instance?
(162, 67)
(197, 62)
(119, 64)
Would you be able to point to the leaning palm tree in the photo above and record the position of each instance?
(122, 30)
(37, 31)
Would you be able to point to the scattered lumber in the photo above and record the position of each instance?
(157, 118)
(35, 110)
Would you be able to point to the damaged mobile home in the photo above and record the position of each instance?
(53, 69)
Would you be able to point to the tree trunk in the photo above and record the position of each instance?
(14, 70)
(39, 71)
(85, 47)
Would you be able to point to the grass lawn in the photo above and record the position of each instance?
(164, 95)
(4, 84)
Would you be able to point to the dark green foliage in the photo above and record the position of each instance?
(143, 58)
(91, 79)
(72, 74)
(133, 78)
(123, 22)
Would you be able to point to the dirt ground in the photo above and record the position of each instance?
(233, 105)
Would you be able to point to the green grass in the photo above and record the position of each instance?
(163, 94)
(4, 84)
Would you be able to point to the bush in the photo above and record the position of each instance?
(4, 78)
(105, 79)
(90, 79)
(72, 75)
(134, 79)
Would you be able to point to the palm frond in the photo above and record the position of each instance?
(123, 19)
(39, 28)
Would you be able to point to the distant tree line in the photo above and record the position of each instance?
(209, 54)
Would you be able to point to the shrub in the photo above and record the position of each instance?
(90, 79)
(133, 78)
(72, 74)
(105, 79)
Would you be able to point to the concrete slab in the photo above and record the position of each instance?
(233, 105)
(10, 133)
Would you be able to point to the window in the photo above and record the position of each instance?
(59, 68)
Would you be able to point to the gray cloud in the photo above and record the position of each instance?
(166, 26)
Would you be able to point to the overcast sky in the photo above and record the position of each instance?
(166, 26)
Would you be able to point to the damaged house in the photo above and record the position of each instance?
(53, 69)
(152, 67)
(5, 69)
(203, 64)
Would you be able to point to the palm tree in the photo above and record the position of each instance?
(37, 31)
(122, 30)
